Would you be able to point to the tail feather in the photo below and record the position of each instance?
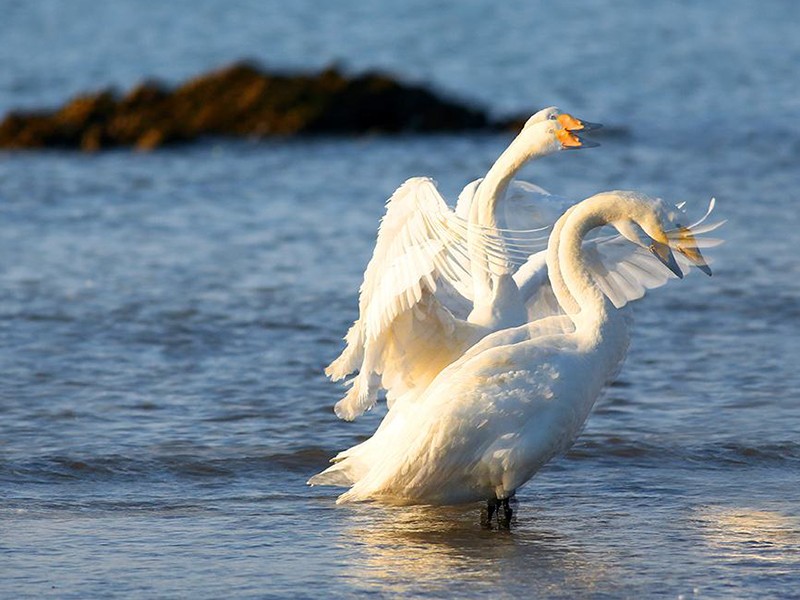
(347, 470)
(337, 475)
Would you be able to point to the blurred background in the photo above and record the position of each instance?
(685, 63)
(165, 317)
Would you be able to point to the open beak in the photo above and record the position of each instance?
(572, 141)
(685, 243)
(571, 123)
(664, 254)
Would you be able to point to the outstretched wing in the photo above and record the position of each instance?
(418, 278)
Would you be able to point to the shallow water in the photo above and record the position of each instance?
(165, 318)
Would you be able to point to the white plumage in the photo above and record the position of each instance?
(491, 419)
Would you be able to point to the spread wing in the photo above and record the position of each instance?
(416, 294)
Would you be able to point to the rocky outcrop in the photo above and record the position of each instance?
(241, 100)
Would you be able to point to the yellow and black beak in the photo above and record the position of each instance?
(684, 242)
(571, 123)
(664, 254)
(571, 141)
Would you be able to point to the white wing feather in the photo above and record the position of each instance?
(418, 277)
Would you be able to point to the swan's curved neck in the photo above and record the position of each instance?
(557, 283)
(533, 142)
(573, 285)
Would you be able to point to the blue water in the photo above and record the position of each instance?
(165, 317)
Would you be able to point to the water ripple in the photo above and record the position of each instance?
(711, 455)
(180, 465)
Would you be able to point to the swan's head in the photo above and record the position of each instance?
(549, 131)
(657, 226)
(565, 129)
(550, 136)
(567, 121)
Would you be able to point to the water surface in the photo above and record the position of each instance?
(165, 318)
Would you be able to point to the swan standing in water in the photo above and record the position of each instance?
(438, 282)
(489, 421)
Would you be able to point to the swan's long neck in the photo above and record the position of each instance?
(557, 283)
(573, 286)
(532, 143)
(491, 274)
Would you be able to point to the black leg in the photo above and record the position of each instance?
(504, 514)
(487, 515)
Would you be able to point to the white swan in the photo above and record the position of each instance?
(436, 282)
(517, 398)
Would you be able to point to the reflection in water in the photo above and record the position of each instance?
(742, 534)
(413, 549)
